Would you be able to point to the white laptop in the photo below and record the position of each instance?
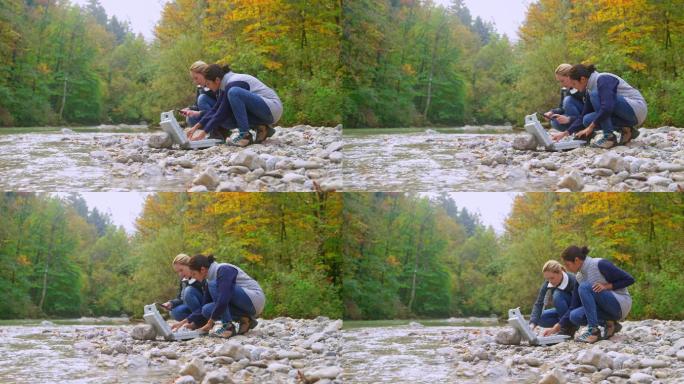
(517, 321)
(153, 318)
(170, 125)
(534, 127)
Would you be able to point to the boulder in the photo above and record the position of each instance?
(231, 349)
(160, 141)
(319, 373)
(572, 181)
(508, 337)
(248, 158)
(525, 143)
(143, 332)
(194, 368)
(208, 178)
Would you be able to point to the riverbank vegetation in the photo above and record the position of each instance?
(413, 256)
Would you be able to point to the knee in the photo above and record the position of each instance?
(588, 119)
(207, 309)
(177, 313)
(235, 92)
(576, 316)
(585, 286)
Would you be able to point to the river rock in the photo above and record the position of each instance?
(612, 161)
(294, 178)
(336, 157)
(143, 332)
(248, 158)
(653, 363)
(100, 155)
(595, 357)
(315, 374)
(556, 376)
(185, 380)
(508, 337)
(208, 178)
(277, 367)
(67, 131)
(218, 377)
(229, 186)
(639, 377)
(160, 141)
(231, 349)
(198, 188)
(525, 143)
(334, 147)
(194, 368)
(237, 169)
(680, 355)
(572, 181)
(658, 180)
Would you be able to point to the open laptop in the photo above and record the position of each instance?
(534, 127)
(170, 125)
(153, 318)
(517, 321)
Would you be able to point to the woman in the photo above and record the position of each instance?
(190, 291)
(229, 294)
(611, 105)
(243, 101)
(205, 98)
(599, 298)
(559, 285)
(571, 103)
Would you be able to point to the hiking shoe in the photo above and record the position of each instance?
(626, 135)
(243, 139)
(263, 132)
(612, 327)
(568, 331)
(607, 141)
(226, 331)
(246, 323)
(591, 335)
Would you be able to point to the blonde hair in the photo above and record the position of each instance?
(563, 70)
(198, 66)
(181, 259)
(553, 266)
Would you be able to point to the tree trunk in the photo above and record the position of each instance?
(48, 258)
(64, 92)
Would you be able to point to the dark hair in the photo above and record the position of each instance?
(199, 261)
(574, 252)
(215, 71)
(579, 71)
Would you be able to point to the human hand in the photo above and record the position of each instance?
(548, 115)
(201, 135)
(561, 119)
(599, 287)
(189, 112)
(558, 136)
(178, 325)
(586, 132)
(166, 305)
(551, 331)
(207, 327)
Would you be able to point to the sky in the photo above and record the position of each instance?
(493, 207)
(143, 15)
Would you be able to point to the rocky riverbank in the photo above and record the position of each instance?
(649, 351)
(301, 158)
(281, 350)
(653, 162)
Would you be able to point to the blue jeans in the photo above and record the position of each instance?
(573, 108)
(249, 109)
(192, 300)
(597, 307)
(204, 103)
(239, 305)
(623, 114)
(561, 303)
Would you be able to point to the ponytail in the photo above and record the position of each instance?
(198, 261)
(574, 252)
(579, 71)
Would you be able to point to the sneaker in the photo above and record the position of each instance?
(246, 323)
(569, 331)
(591, 335)
(607, 141)
(243, 139)
(263, 132)
(226, 331)
(612, 327)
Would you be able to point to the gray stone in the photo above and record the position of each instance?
(160, 141)
(198, 188)
(305, 164)
(100, 155)
(585, 368)
(331, 185)
(658, 180)
(639, 377)
(595, 357)
(278, 367)
(143, 332)
(334, 147)
(229, 186)
(294, 178)
(185, 380)
(680, 355)
(525, 143)
(653, 363)
(508, 337)
(572, 181)
(671, 167)
(218, 377)
(292, 355)
(208, 178)
(67, 131)
(285, 164)
(611, 161)
(248, 158)
(336, 157)
(315, 374)
(556, 376)
(231, 349)
(237, 169)
(532, 361)
(194, 368)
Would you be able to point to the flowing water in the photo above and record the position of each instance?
(442, 160)
(35, 352)
(45, 159)
(397, 351)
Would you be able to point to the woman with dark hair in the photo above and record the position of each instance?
(600, 297)
(229, 294)
(611, 105)
(243, 102)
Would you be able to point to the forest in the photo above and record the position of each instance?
(61, 63)
(410, 256)
(62, 259)
(415, 63)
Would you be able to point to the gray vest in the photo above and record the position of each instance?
(590, 273)
(257, 87)
(244, 281)
(631, 95)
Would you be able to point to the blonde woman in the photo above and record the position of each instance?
(205, 97)
(557, 289)
(190, 292)
(571, 102)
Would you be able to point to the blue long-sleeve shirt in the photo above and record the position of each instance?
(221, 110)
(225, 285)
(614, 275)
(607, 92)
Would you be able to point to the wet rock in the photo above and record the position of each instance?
(143, 332)
(315, 374)
(160, 141)
(67, 131)
(248, 158)
(508, 337)
(194, 368)
(572, 181)
(208, 178)
(525, 143)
